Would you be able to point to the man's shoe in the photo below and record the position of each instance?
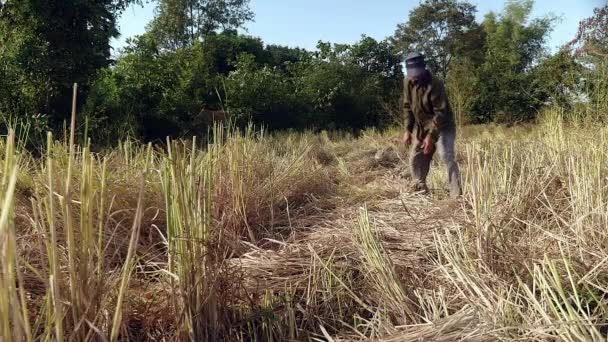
(421, 187)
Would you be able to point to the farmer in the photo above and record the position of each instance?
(429, 122)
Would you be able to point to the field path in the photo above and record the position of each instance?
(404, 223)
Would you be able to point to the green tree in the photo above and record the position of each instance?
(136, 94)
(222, 50)
(351, 83)
(381, 62)
(376, 57)
(560, 76)
(509, 88)
(590, 49)
(443, 30)
(281, 56)
(46, 46)
(21, 53)
(179, 23)
(339, 86)
(264, 94)
(155, 92)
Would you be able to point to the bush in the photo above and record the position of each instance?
(154, 93)
(263, 95)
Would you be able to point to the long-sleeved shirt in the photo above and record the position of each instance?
(427, 109)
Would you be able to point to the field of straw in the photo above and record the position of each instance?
(259, 237)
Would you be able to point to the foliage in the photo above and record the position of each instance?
(282, 56)
(159, 92)
(164, 92)
(346, 92)
(560, 77)
(509, 89)
(590, 49)
(341, 86)
(443, 30)
(180, 23)
(46, 46)
(592, 35)
(462, 87)
(263, 94)
(192, 61)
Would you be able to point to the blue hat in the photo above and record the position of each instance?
(415, 64)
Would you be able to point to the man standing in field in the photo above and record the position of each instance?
(429, 121)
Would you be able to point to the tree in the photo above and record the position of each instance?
(592, 35)
(155, 92)
(590, 48)
(376, 57)
(462, 88)
(159, 92)
(264, 94)
(509, 88)
(442, 30)
(46, 46)
(351, 83)
(281, 56)
(222, 50)
(179, 23)
(340, 86)
(560, 77)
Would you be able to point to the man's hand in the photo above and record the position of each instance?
(428, 146)
(407, 138)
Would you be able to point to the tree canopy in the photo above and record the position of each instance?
(46, 46)
(192, 59)
(592, 35)
(443, 30)
(179, 23)
(509, 87)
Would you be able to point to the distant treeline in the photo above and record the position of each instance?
(191, 61)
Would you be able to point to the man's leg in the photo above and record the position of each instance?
(420, 164)
(446, 148)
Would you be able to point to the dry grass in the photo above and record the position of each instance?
(301, 236)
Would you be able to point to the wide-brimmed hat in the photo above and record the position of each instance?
(415, 64)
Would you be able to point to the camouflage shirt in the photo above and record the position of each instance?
(427, 109)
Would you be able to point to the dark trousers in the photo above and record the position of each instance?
(420, 163)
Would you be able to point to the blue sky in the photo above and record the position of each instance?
(303, 23)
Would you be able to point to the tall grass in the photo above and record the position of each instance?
(13, 307)
(187, 184)
(255, 237)
(530, 260)
(84, 233)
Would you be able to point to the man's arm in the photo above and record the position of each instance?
(407, 109)
(441, 108)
